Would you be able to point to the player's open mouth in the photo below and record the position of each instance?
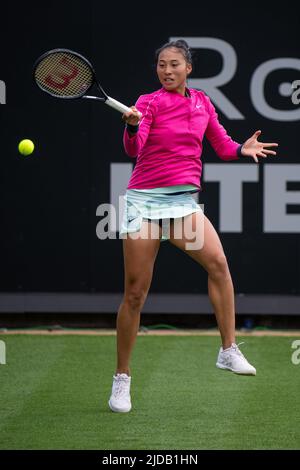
(168, 80)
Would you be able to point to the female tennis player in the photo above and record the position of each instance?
(164, 131)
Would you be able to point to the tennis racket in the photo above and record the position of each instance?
(68, 75)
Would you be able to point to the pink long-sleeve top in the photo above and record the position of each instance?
(168, 144)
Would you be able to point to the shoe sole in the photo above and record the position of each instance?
(221, 366)
(118, 410)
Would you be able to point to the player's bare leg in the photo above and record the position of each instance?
(211, 256)
(139, 259)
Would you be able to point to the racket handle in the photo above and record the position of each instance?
(117, 105)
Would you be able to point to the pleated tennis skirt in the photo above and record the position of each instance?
(139, 205)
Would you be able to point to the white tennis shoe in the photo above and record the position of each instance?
(120, 401)
(233, 359)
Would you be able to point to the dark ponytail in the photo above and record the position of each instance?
(179, 44)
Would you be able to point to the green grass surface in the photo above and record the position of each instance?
(54, 392)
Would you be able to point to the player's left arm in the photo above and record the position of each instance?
(226, 148)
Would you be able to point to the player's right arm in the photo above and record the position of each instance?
(137, 131)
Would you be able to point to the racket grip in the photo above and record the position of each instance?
(117, 105)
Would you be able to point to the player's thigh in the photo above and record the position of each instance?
(206, 247)
(140, 250)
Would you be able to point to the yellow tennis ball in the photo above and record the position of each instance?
(26, 147)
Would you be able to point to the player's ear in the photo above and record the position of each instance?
(189, 69)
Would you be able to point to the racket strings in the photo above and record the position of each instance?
(64, 75)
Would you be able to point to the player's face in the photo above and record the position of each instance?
(172, 70)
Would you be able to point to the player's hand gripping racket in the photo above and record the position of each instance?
(66, 74)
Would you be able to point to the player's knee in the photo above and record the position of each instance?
(218, 266)
(135, 298)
